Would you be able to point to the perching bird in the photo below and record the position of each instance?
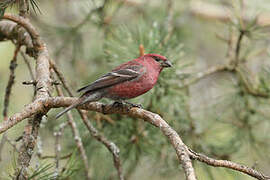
(126, 81)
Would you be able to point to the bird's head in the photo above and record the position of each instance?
(162, 60)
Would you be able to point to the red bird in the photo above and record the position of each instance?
(126, 81)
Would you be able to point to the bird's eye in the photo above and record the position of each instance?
(157, 59)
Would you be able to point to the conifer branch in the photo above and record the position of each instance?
(43, 102)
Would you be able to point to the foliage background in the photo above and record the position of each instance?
(215, 115)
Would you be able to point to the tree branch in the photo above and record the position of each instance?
(154, 119)
(43, 103)
(37, 42)
(43, 86)
(202, 75)
(227, 164)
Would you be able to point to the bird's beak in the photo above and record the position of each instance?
(166, 64)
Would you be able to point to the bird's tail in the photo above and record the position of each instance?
(82, 100)
(68, 109)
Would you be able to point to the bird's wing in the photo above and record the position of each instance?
(115, 77)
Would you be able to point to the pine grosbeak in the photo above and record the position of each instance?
(126, 81)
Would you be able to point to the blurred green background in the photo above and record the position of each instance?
(215, 115)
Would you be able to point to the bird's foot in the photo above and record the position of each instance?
(134, 105)
(117, 104)
(122, 104)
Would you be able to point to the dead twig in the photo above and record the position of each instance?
(12, 67)
(23, 7)
(202, 75)
(26, 60)
(238, 46)
(11, 81)
(108, 144)
(57, 135)
(227, 164)
(61, 77)
(92, 130)
(77, 137)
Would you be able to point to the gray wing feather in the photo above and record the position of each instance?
(113, 78)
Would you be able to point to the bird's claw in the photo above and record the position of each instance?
(134, 105)
(117, 104)
(129, 105)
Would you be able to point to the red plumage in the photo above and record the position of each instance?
(126, 81)
(148, 77)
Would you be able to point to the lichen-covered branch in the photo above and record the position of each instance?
(21, 30)
(43, 85)
(28, 144)
(154, 119)
(10, 31)
(150, 117)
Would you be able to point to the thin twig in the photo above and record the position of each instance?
(201, 75)
(227, 164)
(29, 83)
(23, 7)
(87, 17)
(110, 145)
(58, 134)
(12, 67)
(61, 77)
(12, 143)
(11, 81)
(53, 156)
(238, 46)
(26, 60)
(93, 131)
(77, 137)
